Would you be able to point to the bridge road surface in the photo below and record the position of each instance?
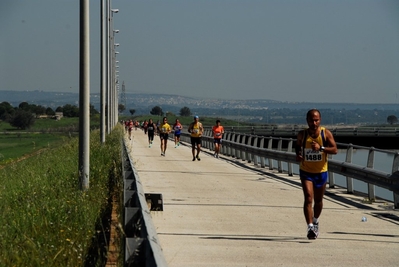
(226, 212)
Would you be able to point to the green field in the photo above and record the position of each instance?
(45, 133)
(17, 145)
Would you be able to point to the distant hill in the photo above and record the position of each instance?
(257, 110)
(141, 100)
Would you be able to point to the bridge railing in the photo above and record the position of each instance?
(287, 130)
(263, 151)
(142, 247)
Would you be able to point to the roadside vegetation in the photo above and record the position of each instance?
(46, 219)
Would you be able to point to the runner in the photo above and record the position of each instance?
(218, 132)
(196, 130)
(145, 126)
(151, 128)
(164, 131)
(130, 128)
(177, 127)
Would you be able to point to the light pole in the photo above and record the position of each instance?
(110, 70)
(103, 70)
(84, 95)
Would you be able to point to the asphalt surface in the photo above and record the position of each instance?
(226, 212)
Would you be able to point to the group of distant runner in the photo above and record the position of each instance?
(163, 129)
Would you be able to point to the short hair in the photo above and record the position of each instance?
(217, 121)
(309, 114)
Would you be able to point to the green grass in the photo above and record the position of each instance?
(45, 133)
(17, 145)
(49, 125)
(46, 220)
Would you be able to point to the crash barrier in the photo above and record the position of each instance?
(142, 247)
(292, 130)
(263, 151)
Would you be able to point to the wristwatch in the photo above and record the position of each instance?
(322, 148)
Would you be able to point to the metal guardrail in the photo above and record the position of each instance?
(142, 247)
(260, 149)
(292, 130)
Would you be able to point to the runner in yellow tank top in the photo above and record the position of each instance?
(196, 130)
(312, 147)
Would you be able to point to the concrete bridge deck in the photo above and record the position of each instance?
(225, 212)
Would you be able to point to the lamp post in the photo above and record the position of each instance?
(111, 121)
(84, 95)
(103, 70)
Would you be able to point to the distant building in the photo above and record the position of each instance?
(59, 115)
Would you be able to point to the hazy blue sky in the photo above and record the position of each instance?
(298, 50)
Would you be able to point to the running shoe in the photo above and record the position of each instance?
(311, 232)
(198, 158)
(316, 229)
(194, 159)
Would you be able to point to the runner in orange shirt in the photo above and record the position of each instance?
(218, 132)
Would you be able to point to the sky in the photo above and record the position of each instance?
(344, 51)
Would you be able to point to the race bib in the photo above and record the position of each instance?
(312, 155)
(163, 130)
(196, 131)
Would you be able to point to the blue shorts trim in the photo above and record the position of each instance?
(318, 179)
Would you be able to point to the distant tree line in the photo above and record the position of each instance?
(157, 110)
(23, 116)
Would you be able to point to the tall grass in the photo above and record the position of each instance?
(46, 220)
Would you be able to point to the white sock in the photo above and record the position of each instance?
(315, 220)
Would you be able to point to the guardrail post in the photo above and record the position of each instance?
(331, 179)
(237, 151)
(270, 146)
(232, 149)
(254, 156)
(280, 148)
(248, 156)
(349, 180)
(370, 164)
(395, 168)
(244, 152)
(261, 145)
(289, 149)
(223, 148)
(207, 143)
